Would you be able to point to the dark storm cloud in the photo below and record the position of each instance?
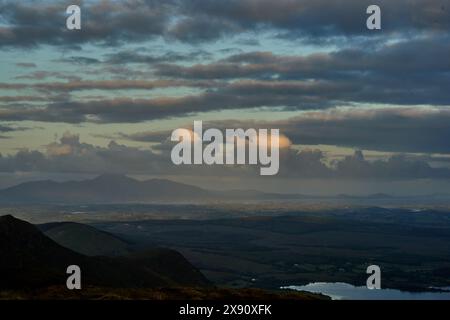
(116, 22)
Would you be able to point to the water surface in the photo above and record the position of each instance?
(345, 291)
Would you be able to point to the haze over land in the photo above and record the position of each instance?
(261, 246)
(120, 189)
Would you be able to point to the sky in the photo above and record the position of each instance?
(364, 111)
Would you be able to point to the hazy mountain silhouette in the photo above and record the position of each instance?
(122, 189)
(32, 260)
(112, 188)
(103, 189)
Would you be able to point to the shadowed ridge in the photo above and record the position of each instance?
(32, 260)
(85, 239)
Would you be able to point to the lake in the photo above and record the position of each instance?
(345, 291)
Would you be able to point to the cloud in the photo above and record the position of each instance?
(127, 84)
(421, 130)
(6, 128)
(10, 129)
(41, 75)
(408, 130)
(77, 84)
(79, 60)
(311, 163)
(18, 98)
(402, 57)
(405, 129)
(399, 73)
(104, 22)
(70, 155)
(396, 167)
(26, 65)
(129, 56)
(418, 129)
(406, 64)
(147, 136)
(116, 22)
(322, 18)
(233, 96)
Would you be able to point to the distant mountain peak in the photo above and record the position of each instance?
(113, 177)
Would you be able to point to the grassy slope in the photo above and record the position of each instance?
(180, 293)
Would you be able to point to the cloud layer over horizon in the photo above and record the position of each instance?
(139, 69)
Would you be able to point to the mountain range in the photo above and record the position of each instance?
(114, 189)
(111, 188)
(102, 189)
